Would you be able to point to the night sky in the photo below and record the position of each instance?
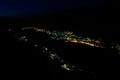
(29, 7)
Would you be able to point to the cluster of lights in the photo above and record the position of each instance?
(65, 65)
(67, 36)
(23, 38)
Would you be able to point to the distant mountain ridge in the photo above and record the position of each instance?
(99, 20)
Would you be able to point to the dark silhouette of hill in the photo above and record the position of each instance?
(84, 17)
(100, 20)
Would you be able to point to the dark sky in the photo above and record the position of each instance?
(28, 7)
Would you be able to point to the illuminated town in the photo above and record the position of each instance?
(67, 37)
